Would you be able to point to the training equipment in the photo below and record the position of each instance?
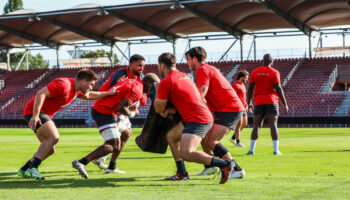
(81, 168)
(208, 171)
(153, 135)
(237, 174)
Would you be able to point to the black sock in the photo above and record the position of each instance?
(112, 165)
(36, 162)
(26, 166)
(181, 169)
(233, 137)
(216, 162)
(83, 161)
(237, 167)
(207, 166)
(238, 141)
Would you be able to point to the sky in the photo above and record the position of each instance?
(277, 46)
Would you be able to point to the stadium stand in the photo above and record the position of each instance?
(303, 91)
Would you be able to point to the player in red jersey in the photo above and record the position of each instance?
(222, 100)
(104, 112)
(178, 89)
(241, 90)
(47, 102)
(266, 85)
(133, 71)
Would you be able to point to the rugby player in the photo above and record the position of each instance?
(104, 111)
(241, 90)
(133, 71)
(223, 101)
(266, 85)
(47, 102)
(184, 138)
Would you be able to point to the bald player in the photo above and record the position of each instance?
(266, 85)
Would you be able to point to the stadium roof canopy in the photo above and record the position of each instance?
(168, 20)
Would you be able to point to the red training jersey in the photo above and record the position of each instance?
(264, 78)
(241, 92)
(115, 77)
(181, 91)
(61, 92)
(220, 96)
(130, 89)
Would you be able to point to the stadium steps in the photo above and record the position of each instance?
(330, 82)
(232, 72)
(26, 89)
(344, 106)
(291, 73)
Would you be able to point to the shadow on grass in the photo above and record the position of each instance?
(151, 157)
(16, 183)
(343, 150)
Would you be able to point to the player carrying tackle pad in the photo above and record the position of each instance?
(197, 120)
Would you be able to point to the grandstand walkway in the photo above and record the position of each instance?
(232, 72)
(291, 73)
(344, 106)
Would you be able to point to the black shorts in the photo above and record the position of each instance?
(102, 119)
(195, 128)
(43, 118)
(228, 119)
(266, 109)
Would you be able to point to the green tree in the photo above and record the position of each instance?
(13, 5)
(35, 62)
(100, 53)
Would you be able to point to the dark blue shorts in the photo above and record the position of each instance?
(228, 119)
(43, 118)
(102, 119)
(266, 109)
(195, 128)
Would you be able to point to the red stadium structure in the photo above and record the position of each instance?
(316, 88)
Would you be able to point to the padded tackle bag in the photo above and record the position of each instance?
(153, 135)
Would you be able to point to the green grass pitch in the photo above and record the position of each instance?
(315, 165)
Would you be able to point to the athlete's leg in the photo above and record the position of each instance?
(216, 133)
(48, 136)
(108, 147)
(272, 120)
(188, 151)
(238, 129)
(125, 135)
(244, 122)
(258, 122)
(173, 138)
